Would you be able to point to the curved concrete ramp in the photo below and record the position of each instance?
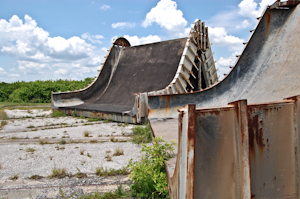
(240, 138)
(130, 74)
(128, 71)
(267, 70)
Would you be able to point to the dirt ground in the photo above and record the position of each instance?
(32, 144)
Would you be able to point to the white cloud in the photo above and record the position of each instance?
(92, 38)
(105, 7)
(250, 9)
(218, 36)
(38, 54)
(244, 24)
(168, 17)
(122, 25)
(134, 40)
(223, 64)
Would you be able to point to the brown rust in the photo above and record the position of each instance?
(191, 148)
(121, 41)
(268, 16)
(255, 127)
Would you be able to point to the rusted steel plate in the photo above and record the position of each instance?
(218, 159)
(272, 150)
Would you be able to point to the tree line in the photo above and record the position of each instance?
(38, 91)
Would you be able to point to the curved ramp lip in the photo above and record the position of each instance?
(68, 102)
(227, 76)
(121, 41)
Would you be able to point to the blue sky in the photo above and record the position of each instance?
(55, 39)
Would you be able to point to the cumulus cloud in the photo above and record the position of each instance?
(36, 51)
(218, 36)
(135, 40)
(250, 9)
(122, 25)
(168, 17)
(92, 38)
(223, 64)
(105, 7)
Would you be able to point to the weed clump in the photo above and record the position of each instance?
(86, 134)
(58, 114)
(58, 173)
(148, 175)
(111, 172)
(141, 134)
(62, 141)
(3, 123)
(119, 152)
(15, 177)
(30, 150)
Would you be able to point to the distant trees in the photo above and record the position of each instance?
(38, 91)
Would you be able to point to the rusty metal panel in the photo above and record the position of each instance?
(273, 153)
(181, 183)
(218, 158)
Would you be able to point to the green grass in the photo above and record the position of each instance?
(141, 134)
(120, 192)
(15, 177)
(86, 134)
(93, 119)
(111, 172)
(58, 173)
(21, 106)
(118, 152)
(30, 150)
(58, 114)
(3, 123)
(62, 141)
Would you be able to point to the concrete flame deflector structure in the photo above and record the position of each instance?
(240, 137)
(131, 73)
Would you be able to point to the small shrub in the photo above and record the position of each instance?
(113, 139)
(88, 155)
(108, 157)
(3, 123)
(58, 173)
(88, 124)
(86, 134)
(30, 150)
(62, 141)
(81, 152)
(93, 141)
(35, 177)
(43, 141)
(148, 176)
(15, 177)
(93, 119)
(141, 134)
(30, 126)
(58, 114)
(119, 152)
(111, 172)
(79, 174)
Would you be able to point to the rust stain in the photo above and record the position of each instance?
(191, 148)
(268, 16)
(255, 127)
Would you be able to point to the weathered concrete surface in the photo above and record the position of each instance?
(267, 70)
(126, 71)
(240, 150)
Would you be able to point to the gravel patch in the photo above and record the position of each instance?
(15, 160)
(24, 156)
(16, 113)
